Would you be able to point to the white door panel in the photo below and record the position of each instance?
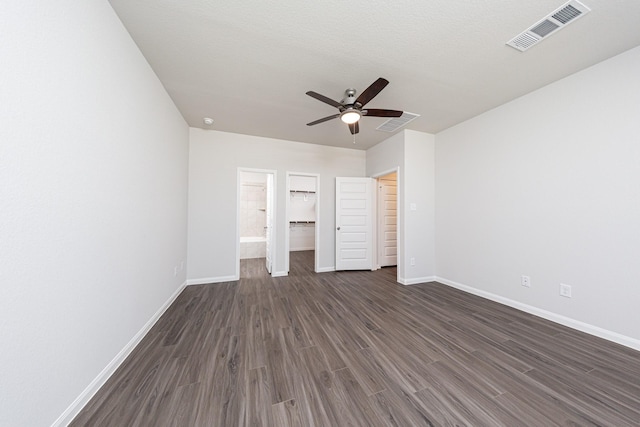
(355, 220)
(353, 204)
(387, 220)
(353, 187)
(354, 214)
(354, 237)
(390, 251)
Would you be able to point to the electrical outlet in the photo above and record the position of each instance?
(175, 270)
(413, 261)
(526, 281)
(565, 290)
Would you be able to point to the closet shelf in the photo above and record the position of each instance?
(302, 222)
(302, 191)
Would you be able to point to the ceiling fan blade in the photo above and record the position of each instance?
(324, 99)
(371, 92)
(354, 128)
(324, 119)
(374, 112)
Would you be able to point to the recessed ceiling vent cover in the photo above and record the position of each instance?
(396, 123)
(548, 25)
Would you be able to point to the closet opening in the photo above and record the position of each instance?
(303, 225)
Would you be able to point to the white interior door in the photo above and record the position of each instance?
(354, 214)
(269, 223)
(387, 220)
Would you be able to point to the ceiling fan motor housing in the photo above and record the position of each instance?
(349, 97)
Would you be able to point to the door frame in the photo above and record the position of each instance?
(272, 244)
(287, 231)
(399, 212)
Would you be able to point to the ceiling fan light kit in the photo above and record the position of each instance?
(350, 116)
(350, 108)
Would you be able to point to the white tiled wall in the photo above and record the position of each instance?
(253, 202)
(253, 218)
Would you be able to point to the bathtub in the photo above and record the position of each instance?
(253, 239)
(253, 247)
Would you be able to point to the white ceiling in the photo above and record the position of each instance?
(248, 64)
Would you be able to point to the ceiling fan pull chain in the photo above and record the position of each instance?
(354, 138)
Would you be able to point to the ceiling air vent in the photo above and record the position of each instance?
(551, 23)
(396, 123)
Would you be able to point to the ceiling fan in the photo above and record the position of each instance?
(351, 108)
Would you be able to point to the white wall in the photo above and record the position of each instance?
(386, 156)
(413, 153)
(419, 189)
(549, 186)
(93, 185)
(214, 158)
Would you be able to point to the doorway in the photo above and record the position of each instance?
(256, 218)
(388, 249)
(368, 222)
(387, 220)
(303, 218)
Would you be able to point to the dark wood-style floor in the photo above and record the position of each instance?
(358, 349)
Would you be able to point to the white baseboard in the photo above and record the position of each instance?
(416, 281)
(325, 269)
(74, 409)
(554, 317)
(207, 280)
(279, 273)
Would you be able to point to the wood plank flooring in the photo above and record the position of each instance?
(358, 349)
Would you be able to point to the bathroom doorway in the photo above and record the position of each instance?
(256, 218)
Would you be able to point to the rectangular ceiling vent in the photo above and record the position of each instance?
(548, 25)
(396, 123)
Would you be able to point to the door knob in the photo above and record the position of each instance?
(338, 228)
